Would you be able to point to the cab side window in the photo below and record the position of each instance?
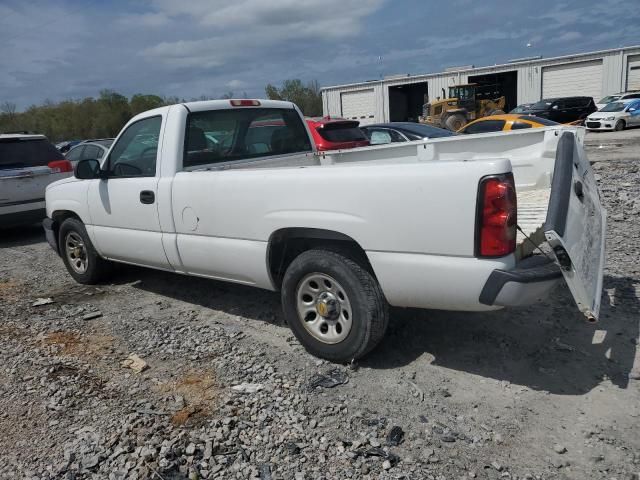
(135, 153)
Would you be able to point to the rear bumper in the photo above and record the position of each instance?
(530, 281)
(50, 233)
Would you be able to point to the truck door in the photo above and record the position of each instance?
(123, 206)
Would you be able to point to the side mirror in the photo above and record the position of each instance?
(88, 169)
(632, 109)
(555, 107)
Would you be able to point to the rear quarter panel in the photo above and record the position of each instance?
(225, 218)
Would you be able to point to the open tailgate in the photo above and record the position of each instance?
(575, 227)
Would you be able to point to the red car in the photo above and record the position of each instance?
(336, 133)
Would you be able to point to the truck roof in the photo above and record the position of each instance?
(225, 104)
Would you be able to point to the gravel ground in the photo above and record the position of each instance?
(228, 393)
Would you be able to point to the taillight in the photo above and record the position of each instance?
(497, 216)
(60, 166)
(244, 103)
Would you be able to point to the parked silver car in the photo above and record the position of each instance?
(95, 148)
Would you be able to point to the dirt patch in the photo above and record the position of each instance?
(10, 290)
(199, 391)
(74, 344)
(74, 294)
(13, 332)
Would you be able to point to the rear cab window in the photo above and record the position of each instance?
(25, 152)
(219, 136)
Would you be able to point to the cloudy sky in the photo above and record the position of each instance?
(70, 49)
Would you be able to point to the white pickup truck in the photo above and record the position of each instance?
(234, 190)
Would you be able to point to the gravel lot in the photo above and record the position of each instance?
(227, 392)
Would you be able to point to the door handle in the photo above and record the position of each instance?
(147, 197)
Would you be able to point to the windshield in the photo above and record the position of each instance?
(609, 98)
(613, 107)
(542, 105)
(461, 93)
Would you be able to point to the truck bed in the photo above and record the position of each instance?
(531, 153)
(532, 212)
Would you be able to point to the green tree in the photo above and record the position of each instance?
(307, 97)
(141, 103)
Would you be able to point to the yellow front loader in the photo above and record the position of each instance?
(463, 104)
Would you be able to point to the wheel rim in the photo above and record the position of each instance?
(324, 308)
(76, 252)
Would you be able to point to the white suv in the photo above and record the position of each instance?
(28, 163)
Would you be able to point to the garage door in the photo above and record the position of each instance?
(358, 105)
(576, 79)
(633, 73)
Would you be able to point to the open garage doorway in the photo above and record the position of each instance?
(406, 101)
(495, 85)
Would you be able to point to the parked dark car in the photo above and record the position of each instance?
(64, 147)
(522, 108)
(392, 132)
(563, 110)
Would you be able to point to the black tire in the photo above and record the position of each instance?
(370, 311)
(620, 124)
(455, 122)
(97, 268)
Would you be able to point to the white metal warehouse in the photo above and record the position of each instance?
(400, 98)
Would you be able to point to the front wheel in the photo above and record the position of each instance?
(619, 125)
(455, 122)
(83, 263)
(334, 306)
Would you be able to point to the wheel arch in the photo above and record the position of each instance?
(286, 244)
(59, 216)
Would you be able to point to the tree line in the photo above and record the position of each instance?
(105, 115)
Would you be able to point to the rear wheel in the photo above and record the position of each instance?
(619, 125)
(78, 254)
(334, 306)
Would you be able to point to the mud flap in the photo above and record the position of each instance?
(575, 227)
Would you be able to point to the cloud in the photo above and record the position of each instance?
(567, 37)
(188, 48)
(155, 19)
(250, 26)
(300, 15)
(36, 38)
(236, 84)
